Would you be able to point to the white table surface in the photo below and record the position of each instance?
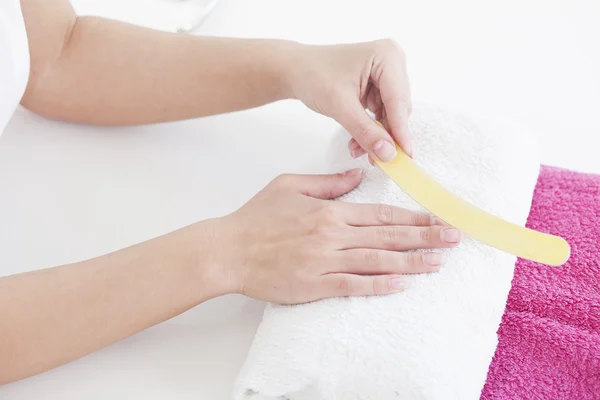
(71, 192)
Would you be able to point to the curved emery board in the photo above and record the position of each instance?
(481, 225)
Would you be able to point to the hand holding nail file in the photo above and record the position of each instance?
(481, 225)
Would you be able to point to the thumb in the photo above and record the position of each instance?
(368, 133)
(323, 187)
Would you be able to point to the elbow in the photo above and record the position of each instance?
(45, 84)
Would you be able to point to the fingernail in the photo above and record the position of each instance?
(396, 284)
(432, 259)
(409, 149)
(353, 172)
(384, 150)
(450, 235)
(355, 153)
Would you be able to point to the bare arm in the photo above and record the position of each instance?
(53, 316)
(99, 71)
(93, 70)
(288, 244)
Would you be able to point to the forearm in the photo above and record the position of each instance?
(83, 307)
(110, 72)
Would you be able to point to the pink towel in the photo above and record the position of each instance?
(549, 338)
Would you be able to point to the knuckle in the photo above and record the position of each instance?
(385, 43)
(307, 258)
(365, 132)
(326, 227)
(385, 213)
(300, 275)
(345, 287)
(391, 45)
(328, 214)
(389, 234)
(426, 235)
(324, 233)
(420, 219)
(379, 287)
(435, 234)
(417, 259)
(373, 259)
(414, 261)
(283, 181)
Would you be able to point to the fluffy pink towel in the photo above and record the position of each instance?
(549, 339)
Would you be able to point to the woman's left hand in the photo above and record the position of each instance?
(341, 81)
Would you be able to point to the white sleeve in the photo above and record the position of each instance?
(14, 59)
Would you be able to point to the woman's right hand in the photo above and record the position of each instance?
(292, 244)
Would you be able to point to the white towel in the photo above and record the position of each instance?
(436, 339)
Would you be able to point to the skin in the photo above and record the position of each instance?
(288, 244)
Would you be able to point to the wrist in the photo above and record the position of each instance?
(195, 252)
(286, 61)
(213, 249)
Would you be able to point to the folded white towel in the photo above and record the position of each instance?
(436, 339)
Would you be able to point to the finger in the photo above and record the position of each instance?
(344, 285)
(439, 221)
(321, 186)
(352, 144)
(374, 103)
(383, 214)
(355, 149)
(358, 153)
(401, 238)
(364, 99)
(371, 161)
(397, 117)
(368, 134)
(383, 262)
(395, 94)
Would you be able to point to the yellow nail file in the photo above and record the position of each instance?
(481, 225)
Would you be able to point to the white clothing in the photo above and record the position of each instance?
(14, 59)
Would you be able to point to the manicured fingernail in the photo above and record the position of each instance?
(409, 149)
(384, 150)
(353, 172)
(355, 153)
(396, 284)
(450, 235)
(432, 259)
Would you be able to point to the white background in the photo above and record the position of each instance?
(71, 192)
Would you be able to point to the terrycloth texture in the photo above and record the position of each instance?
(549, 340)
(435, 340)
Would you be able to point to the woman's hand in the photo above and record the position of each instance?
(342, 81)
(286, 245)
(106, 73)
(289, 245)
